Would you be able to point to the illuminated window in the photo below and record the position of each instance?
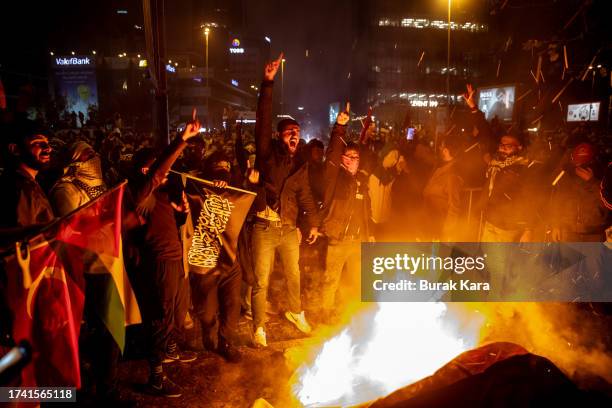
(386, 22)
(421, 23)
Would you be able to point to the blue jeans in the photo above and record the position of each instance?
(340, 253)
(265, 241)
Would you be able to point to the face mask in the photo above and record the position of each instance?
(222, 175)
(350, 165)
(352, 168)
(90, 172)
(503, 156)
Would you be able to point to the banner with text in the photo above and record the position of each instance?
(217, 215)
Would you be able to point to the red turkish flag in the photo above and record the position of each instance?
(45, 288)
(47, 314)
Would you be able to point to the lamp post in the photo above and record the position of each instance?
(448, 45)
(206, 33)
(283, 86)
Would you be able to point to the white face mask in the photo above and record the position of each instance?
(351, 165)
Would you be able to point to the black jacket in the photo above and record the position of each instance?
(158, 234)
(511, 204)
(345, 194)
(577, 206)
(284, 178)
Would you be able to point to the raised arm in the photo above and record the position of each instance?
(477, 118)
(263, 125)
(338, 135)
(160, 168)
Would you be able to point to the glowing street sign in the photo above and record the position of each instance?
(236, 49)
(423, 103)
(73, 61)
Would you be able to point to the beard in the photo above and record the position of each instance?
(33, 162)
(503, 156)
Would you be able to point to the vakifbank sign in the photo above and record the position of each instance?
(73, 61)
(74, 79)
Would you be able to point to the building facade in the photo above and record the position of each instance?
(403, 56)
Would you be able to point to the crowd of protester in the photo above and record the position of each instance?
(314, 207)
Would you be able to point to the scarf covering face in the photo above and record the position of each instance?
(351, 166)
(86, 175)
(495, 166)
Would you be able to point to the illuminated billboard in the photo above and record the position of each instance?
(497, 102)
(583, 112)
(75, 80)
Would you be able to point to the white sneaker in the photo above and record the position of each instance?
(299, 320)
(259, 338)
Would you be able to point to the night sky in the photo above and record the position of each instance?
(327, 29)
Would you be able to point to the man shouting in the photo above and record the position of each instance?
(284, 194)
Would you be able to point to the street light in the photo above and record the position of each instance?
(206, 33)
(448, 45)
(282, 86)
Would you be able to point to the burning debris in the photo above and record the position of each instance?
(368, 360)
(424, 353)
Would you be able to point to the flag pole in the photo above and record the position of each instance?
(210, 183)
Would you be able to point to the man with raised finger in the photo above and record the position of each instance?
(347, 219)
(284, 194)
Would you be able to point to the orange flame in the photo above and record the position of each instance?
(383, 350)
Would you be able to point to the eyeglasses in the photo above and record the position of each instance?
(350, 157)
